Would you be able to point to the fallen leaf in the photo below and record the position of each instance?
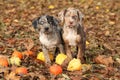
(11, 41)
(32, 7)
(107, 33)
(16, 20)
(111, 22)
(51, 7)
(61, 79)
(102, 59)
(118, 60)
(108, 46)
(87, 43)
(15, 61)
(86, 67)
(28, 43)
(65, 76)
(12, 76)
(97, 7)
(76, 78)
(107, 10)
(94, 78)
(42, 77)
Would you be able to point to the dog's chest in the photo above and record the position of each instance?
(48, 41)
(71, 37)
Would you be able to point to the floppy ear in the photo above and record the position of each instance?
(52, 20)
(35, 23)
(55, 21)
(80, 16)
(61, 15)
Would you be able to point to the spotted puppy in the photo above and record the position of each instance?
(50, 35)
(73, 32)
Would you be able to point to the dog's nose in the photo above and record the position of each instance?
(46, 28)
(71, 22)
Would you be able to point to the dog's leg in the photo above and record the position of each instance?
(46, 55)
(69, 56)
(68, 51)
(80, 53)
(61, 47)
(55, 53)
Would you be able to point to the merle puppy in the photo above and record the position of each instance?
(50, 35)
(73, 32)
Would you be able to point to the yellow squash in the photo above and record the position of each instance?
(41, 57)
(74, 64)
(60, 58)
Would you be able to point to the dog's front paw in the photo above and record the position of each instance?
(65, 63)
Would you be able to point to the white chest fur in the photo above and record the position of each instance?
(48, 41)
(71, 36)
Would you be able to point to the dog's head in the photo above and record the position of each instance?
(45, 23)
(70, 17)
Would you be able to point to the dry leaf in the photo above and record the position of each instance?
(28, 43)
(118, 60)
(42, 77)
(12, 76)
(86, 67)
(65, 76)
(51, 7)
(76, 78)
(61, 79)
(108, 46)
(11, 41)
(102, 59)
(107, 33)
(87, 43)
(94, 78)
(111, 22)
(107, 10)
(97, 7)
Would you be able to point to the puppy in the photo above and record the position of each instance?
(73, 32)
(50, 35)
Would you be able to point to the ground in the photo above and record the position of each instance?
(101, 20)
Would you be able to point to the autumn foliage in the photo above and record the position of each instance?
(4, 62)
(17, 54)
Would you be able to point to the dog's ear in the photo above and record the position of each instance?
(56, 21)
(35, 23)
(80, 16)
(61, 15)
(52, 20)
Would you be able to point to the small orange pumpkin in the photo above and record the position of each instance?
(55, 69)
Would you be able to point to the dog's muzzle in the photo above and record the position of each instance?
(46, 29)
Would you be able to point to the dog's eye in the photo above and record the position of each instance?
(51, 22)
(42, 22)
(74, 17)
